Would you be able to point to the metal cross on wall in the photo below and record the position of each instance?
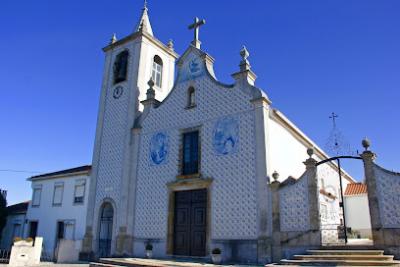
(196, 26)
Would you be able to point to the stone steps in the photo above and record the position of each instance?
(99, 264)
(342, 257)
(345, 252)
(339, 263)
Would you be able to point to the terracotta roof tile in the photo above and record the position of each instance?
(355, 189)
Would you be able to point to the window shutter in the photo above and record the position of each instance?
(79, 191)
(58, 191)
(36, 196)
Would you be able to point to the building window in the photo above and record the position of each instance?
(79, 194)
(190, 160)
(121, 67)
(58, 194)
(37, 192)
(191, 98)
(156, 73)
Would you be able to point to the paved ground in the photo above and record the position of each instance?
(165, 263)
(55, 265)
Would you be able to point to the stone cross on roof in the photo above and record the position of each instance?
(196, 26)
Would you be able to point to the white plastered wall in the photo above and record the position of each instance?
(357, 212)
(47, 215)
(286, 156)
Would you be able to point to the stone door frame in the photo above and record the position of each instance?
(187, 185)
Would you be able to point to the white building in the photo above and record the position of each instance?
(15, 225)
(58, 207)
(357, 210)
(183, 162)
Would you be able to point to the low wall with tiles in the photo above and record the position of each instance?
(384, 204)
(295, 215)
(388, 193)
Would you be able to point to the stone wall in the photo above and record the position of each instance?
(384, 203)
(295, 212)
(388, 191)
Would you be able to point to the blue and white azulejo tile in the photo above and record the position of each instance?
(226, 136)
(159, 145)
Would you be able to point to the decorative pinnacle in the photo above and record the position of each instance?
(244, 64)
(275, 175)
(310, 152)
(151, 83)
(113, 39)
(145, 4)
(151, 93)
(170, 44)
(366, 143)
(244, 53)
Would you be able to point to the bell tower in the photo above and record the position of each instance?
(129, 64)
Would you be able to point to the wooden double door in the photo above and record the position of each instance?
(190, 223)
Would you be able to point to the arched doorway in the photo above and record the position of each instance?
(106, 228)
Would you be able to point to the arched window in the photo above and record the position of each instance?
(121, 67)
(191, 97)
(156, 73)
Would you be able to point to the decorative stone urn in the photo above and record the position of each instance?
(149, 251)
(216, 256)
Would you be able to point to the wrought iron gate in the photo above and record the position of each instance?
(105, 232)
(336, 234)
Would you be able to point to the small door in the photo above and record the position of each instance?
(60, 230)
(33, 227)
(59, 236)
(190, 223)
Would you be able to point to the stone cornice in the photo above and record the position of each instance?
(190, 184)
(263, 100)
(136, 35)
(81, 173)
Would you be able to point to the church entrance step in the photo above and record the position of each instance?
(343, 257)
(139, 262)
(345, 252)
(99, 264)
(339, 263)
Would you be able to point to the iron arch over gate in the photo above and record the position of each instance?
(341, 204)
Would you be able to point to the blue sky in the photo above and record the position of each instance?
(311, 58)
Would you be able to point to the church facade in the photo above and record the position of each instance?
(182, 162)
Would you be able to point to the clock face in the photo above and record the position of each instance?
(118, 91)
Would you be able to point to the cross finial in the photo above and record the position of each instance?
(196, 25)
(145, 4)
(334, 116)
